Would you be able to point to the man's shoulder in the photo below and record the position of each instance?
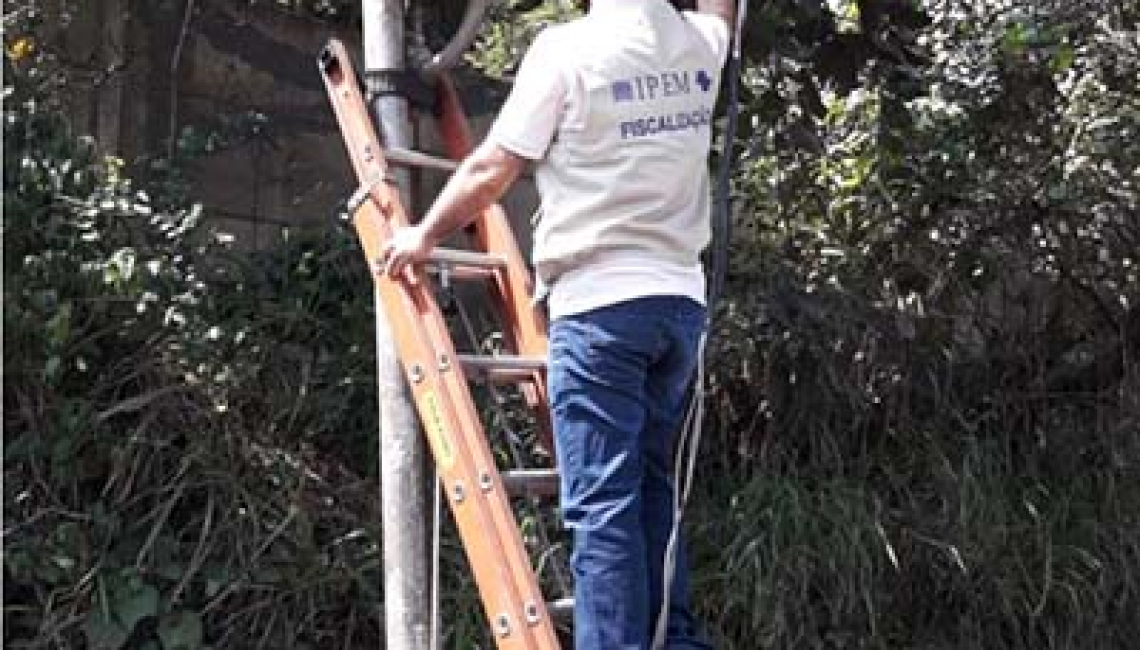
(714, 30)
(563, 36)
(560, 45)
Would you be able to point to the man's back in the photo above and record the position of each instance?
(617, 108)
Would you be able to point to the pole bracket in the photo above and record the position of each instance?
(418, 89)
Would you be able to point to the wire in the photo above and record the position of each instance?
(689, 438)
(437, 518)
(684, 464)
(722, 212)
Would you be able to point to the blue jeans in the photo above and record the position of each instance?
(618, 386)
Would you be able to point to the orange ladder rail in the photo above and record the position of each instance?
(439, 385)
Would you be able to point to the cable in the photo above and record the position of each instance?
(689, 438)
(684, 464)
(722, 211)
(437, 502)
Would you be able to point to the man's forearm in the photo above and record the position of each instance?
(479, 181)
(726, 9)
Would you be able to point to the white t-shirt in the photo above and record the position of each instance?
(616, 108)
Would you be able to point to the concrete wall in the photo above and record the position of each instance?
(237, 83)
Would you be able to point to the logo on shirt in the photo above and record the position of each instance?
(652, 125)
(704, 80)
(660, 85)
(623, 91)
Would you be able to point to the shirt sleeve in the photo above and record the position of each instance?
(714, 31)
(529, 118)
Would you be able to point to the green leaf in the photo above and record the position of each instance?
(180, 630)
(121, 267)
(1016, 38)
(63, 451)
(51, 368)
(102, 633)
(133, 602)
(1063, 58)
(59, 326)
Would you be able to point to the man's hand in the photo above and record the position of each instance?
(407, 246)
(481, 179)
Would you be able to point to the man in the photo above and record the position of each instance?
(615, 108)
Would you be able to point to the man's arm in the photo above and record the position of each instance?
(482, 178)
(725, 9)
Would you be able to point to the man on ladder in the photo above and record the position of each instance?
(615, 109)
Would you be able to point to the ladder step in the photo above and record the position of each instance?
(561, 609)
(465, 264)
(501, 368)
(410, 158)
(531, 482)
(484, 519)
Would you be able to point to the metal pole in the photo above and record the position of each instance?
(402, 448)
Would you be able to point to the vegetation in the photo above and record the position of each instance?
(188, 428)
(924, 422)
(927, 373)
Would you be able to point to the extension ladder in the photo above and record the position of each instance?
(477, 492)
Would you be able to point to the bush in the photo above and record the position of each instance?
(926, 370)
(188, 427)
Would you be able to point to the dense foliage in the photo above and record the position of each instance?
(925, 386)
(927, 376)
(188, 453)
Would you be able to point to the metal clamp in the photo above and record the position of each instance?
(407, 84)
(363, 192)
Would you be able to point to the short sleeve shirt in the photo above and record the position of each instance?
(616, 109)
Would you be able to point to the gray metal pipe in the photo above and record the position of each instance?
(403, 455)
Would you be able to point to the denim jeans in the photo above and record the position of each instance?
(618, 386)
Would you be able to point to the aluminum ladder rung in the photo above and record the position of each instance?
(411, 158)
(455, 260)
(531, 482)
(501, 368)
(561, 609)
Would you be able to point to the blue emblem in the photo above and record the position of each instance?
(623, 91)
(704, 80)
